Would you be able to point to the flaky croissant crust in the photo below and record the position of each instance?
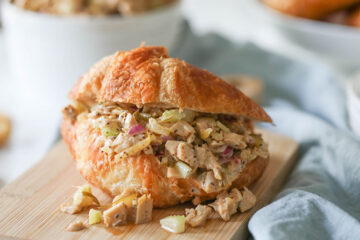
(146, 75)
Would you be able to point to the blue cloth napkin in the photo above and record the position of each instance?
(321, 198)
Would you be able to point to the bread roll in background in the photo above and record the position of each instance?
(313, 9)
(5, 128)
(354, 17)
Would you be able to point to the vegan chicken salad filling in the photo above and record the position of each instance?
(209, 148)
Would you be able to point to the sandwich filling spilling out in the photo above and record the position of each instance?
(210, 148)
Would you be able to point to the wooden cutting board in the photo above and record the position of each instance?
(29, 205)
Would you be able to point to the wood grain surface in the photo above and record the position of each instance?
(29, 206)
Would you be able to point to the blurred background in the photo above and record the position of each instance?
(45, 45)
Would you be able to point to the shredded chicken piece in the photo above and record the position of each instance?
(248, 201)
(182, 151)
(182, 128)
(208, 160)
(226, 203)
(75, 226)
(120, 213)
(124, 141)
(204, 123)
(127, 120)
(198, 216)
(144, 209)
(217, 147)
(116, 215)
(247, 156)
(234, 140)
(208, 182)
(236, 195)
(191, 139)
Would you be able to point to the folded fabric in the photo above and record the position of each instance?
(320, 199)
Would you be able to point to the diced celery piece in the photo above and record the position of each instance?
(171, 116)
(257, 140)
(78, 197)
(84, 197)
(218, 136)
(94, 216)
(111, 130)
(188, 115)
(174, 224)
(222, 127)
(139, 116)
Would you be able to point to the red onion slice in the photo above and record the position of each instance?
(133, 108)
(160, 154)
(236, 160)
(228, 152)
(136, 129)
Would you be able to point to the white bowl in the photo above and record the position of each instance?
(48, 53)
(337, 43)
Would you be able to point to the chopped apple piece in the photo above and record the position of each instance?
(110, 130)
(174, 224)
(84, 198)
(171, 116)
(94, 216)
(183, 169)
(128, 200)
(204, 134)
(180, 170)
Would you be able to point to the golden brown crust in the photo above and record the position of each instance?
(251, 173)
(148, 75)
(142, 174)
(354, 17)
(313, 9)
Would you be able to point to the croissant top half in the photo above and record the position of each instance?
(148, 75)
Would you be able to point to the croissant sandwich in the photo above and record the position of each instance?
(142, 122)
